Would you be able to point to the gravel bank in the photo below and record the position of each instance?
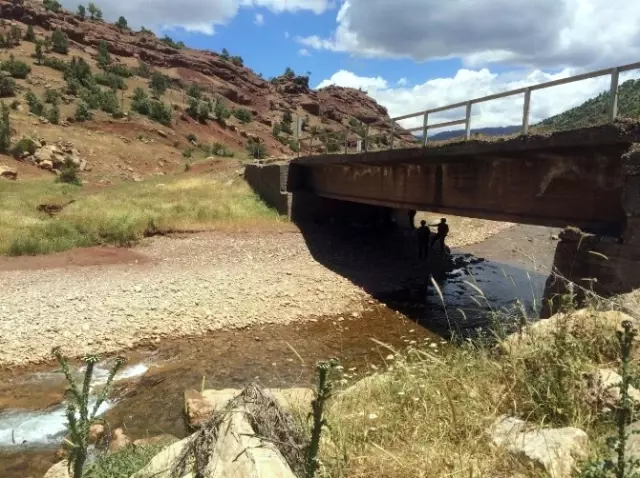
(192, 285)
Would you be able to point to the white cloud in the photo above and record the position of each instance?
(259, 19)
(403, 82)
(193, 15)
(304, 52)
(286, 35)
(540, 33)
(469, 84)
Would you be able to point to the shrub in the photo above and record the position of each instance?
(286, 127)
(140, 101)
(122, 23)
(243, 114)
(109, 102)
(30, 34)
(146, 31)
(24, 145)
(16, 68)
(60, 42)
(160, 112)
(224, 54)
(219, 149)
(221, 112)
(158, 84)
(79, 70)
(82, 11)
(276, 130)
(35, 105)
(143, 70)
(55, 63)
(82, 112)
(120, 70)
(114, 82)
(255, 149)
(194, 91)
(5, 129)
(15, 35)
(294, 145)
(289, 73)
(52, 5)
(51, 96)
(39, 54)
(7, 86)
(94, 12)
(187, 153)
(192, 138)
(92, 96)
(237, 60)
(167, 40)
(14, 105)
(53, 115)
(104, 58)
(286, 117)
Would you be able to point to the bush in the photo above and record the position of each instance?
(237, 60)
(14, 105)
(38, 55)
(82, 112)
(16, 68)
(192, 138)
(194, 91)
(35, 105)
(289, 73)
(276, 130)
(104, 58)
(60, 42)
(69, 174)
(114, 82)
(53, 115)
(5, 129)
(140, 101)
(144, 69)
(82, 11)
(30, 34)
(255, 149)
(109, 102)
(286, 127)
(24, 145)
(52, 5)
(294, 145)
(160, 112)
(188, 153)
(158, 84)
(224, 54)
(7, 86)
(79, 70)
(94, 12)
(15, 35)
(167, 40)
(219, 149)
(243, 114)
(56, 63)
(221, 112)
(120, 70)
(92, 96)
(51, 96)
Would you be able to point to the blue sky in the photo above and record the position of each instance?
(412, 54)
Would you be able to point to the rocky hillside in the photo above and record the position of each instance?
(133, 104)
(595, 110)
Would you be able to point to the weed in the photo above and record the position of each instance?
(124, 462)
(80, 414)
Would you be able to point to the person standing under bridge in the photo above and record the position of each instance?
(441, 235)
(424, 234)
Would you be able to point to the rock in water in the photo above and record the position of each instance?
(552, 448)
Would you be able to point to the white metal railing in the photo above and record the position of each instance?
(526, 91)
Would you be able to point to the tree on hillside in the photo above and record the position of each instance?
(94, 12)
(82, 12)
(289, 73)
(225, 54)
(104, 58)
(122, 23)
(15, 35)
(30, 34)
(60, 42)
(52, 5)
(39, 54)
(47, 44)
(158, 84)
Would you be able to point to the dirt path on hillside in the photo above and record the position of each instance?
(106, 300)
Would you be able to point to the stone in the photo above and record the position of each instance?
(96, 432)
(604, 388)
(161, 464)
(8, 173)
(59, 470)
(162, 133)
(118, 440)
(46, 164)
(201, 405)
(554, 449)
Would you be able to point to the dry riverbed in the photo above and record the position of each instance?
(106, 300)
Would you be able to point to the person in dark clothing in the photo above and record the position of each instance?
(412, 218)
(424, 233)
(441, 235)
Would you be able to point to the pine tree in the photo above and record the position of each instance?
(5, 130)
(30, 35)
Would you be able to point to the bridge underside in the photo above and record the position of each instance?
(574, 178)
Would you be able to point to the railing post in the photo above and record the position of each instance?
(525, 111)
(393, 130)
(425, 127)
(346, 142)
(467, 134)
(366, 138)
(613, 107)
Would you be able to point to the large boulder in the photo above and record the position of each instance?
(161, 465)
(201, 405)
(59, 470)
(553, 449)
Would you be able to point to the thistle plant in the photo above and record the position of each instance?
(80, 416)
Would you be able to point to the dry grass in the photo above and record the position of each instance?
(427, 415)
(125, 213)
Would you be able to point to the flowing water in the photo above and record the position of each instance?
(148, 394)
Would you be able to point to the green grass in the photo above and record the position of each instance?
(122, 214)
(124, 462)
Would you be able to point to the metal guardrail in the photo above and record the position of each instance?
(526, 91)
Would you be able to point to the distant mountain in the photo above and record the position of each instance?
(595, 110)
(491, 131)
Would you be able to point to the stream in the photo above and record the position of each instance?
(147, 397)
